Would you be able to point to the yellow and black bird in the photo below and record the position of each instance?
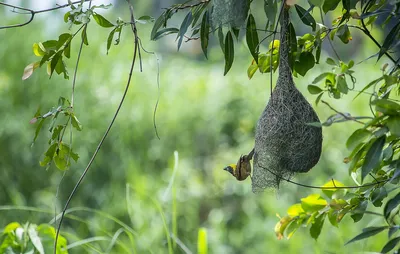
(242, 169)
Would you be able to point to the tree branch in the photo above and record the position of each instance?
(32, 13)
(73, 192)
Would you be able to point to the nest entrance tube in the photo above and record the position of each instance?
(284, 143)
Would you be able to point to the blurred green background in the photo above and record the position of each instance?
(207, 118)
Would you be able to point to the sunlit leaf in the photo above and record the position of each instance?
(313, 202)
(281, 226)
(102, 21)
(333, 184)
(295, 210)
(202, 244)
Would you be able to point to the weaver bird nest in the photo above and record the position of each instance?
(284, 142)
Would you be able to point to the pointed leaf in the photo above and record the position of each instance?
(390, 245)
(204, 33)
(229, 52)
(306, 17)
(165, 32)
(184, 27)
(367, 232)
(102, 21)
(356, 138)
(252, 37)
(391, 204)
(28, 71)
(390, 38)
(316, 227)
(373, 157)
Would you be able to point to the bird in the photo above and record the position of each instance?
(242, 169)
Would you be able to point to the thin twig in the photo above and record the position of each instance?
(324, 187)
(340, 113)
(135, 53)
(33, 13)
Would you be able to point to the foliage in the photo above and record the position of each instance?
(373, 160)
(30, 238)
(374, 156)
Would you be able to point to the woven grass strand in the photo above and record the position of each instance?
(284, 143)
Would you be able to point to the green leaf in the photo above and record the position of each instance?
(330, 61)
(313, 202)
(35, 239)
(229, 52)
(318, 98)
(165, 32)
(343, 33)
(202, 245)
(75, 122)
(342, 84)
(333, 184)
(314, 89)
(38, 50)
(252, 37)
(110, 38)
(320, 77)
(358, 213)
(368, 86)
(102, 21)
(391, 204)
(270, 9)
(157, 25)
(292, 39)
(393, 124)
(367, 232)
(184, 27)
(84, 36)
(316, 227)
(389, 40)
(197, 11)
(330, 5)
(377, 196)
(305, 63)
(144, 19)
(316, 2)
(387, 106)
(221, 39)
(390, 245)
(306, 17)
(373, 157)
(357, 138)
(204, 33)
(54, 61)
(252, 69)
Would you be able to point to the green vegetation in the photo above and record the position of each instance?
(170, 195)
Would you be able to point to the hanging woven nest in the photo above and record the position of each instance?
(284, 143)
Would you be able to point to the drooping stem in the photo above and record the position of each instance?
(284, 67)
